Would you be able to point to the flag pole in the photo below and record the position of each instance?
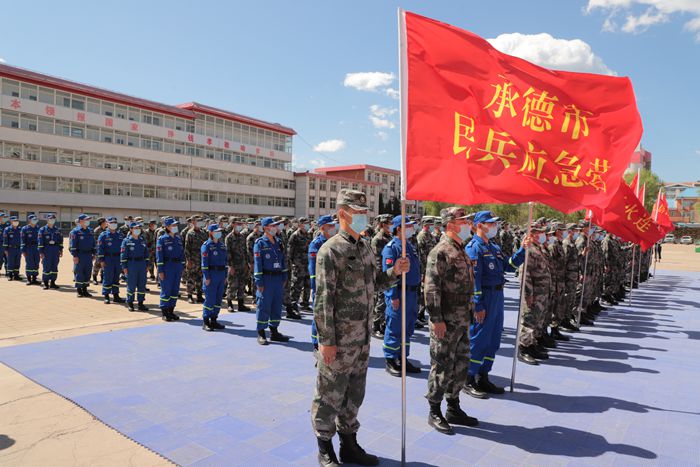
(656, 218)
(585, 270)
(632, 274)
(403, 93)
(520, 299)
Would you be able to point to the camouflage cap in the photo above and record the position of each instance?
(571, 225)
(101, 220)
(303, 220)
(353, 199)
(452, 213)
(537, 227)
(427, 220)
(222, 218)
(541, 220)
(383, 218)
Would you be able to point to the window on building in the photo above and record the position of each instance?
(312, 203)
(63, 128)
(10, 87)
(121, 111)
(48, 184)
(312, 183)
(120, 138)
(46, 125)
(93, 106)
(62, 99)
(29, 92)
(11, 181)
(107, 109)
(31, 153)
(322, 203)
(332, 202)
(48, 155)
(107, 136)
(28, 122)
(10, 119)
(77, 102)
(77, 131)
(134, 114)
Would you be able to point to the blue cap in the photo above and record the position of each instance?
(14, 218)
(214, 228)
(170, 221)
(2, 214)
(396, 222)
(268, 221)
(323, 220)
(111, 219)
(134, 224)
(485, 216)
(51, 216)
(84, 217)
(32, 217)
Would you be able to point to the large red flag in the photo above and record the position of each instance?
(663, 218)
(482, 126)
(626, 217)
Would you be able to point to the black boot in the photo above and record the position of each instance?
(326, 454)
(231, 308)
(241, 305)
(53, 285)
(190, 298)
(262, 339)
(206, 325)
(569, 325)
(525, 356)
(86, 293)
(94, 279)
(216, 324)
(142, 307)
(166, 314)
(411, 368)
(276, 336)
(118, 299)
(173, 316)
(29, 281)
(557, 335)
(437, 421)
(456, 416)
(471, 387)
(393, 367)
(487, 386)
(107, 302)
(79, 291)
(377, 332)
(539, 352)
(131, 306)
(292, 313)
(200, 299)
(352, 453)
(547, 342)
(46, 285)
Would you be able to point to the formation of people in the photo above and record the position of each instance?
(346, 270)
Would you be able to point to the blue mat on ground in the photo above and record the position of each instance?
(624, 392)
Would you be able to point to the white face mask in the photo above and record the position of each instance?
(217, 235)
(575, 236)
(465, 232)
(84, 224)
(15, 223)
(410, 232)
(51, 221)
(272, 231)
(113, 226)
(224, 225)
(492, 231)
(250, 226)
(200, 224)
(551, 240)
(332, 231)
(174, 229)
(137, 232)
(542, 238)
(33, 221)
(565, 235)
(238, 228)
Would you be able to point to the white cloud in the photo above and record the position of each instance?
(2, 60)
(382, 135)
(642, 14)
(550, 52)
(381, 122)
(331, 145)
(317, 162)
(380, 111)
(393, 93)
(378, 114)
(368, 81)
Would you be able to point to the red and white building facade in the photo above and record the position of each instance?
(68, 148)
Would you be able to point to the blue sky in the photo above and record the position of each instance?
(288, 61)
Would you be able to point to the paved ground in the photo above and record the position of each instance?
(580, 407)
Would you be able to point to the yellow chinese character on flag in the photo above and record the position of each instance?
(534, 163)
(538, 110)
(464, 131)
(643, 223)
(496, 147)
(595, 174)
(630, 210)
(574, 117)
(568, 170)
(503, 98)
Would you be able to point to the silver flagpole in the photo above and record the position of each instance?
(585, 271)
(656, 218)
(632, 274)
(520, 299)
(403, 336)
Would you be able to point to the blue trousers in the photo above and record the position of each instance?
(135, 281)
(485, 338)
(392, 334)
(110, 275)
(314, 332)
(170, 286)
(13, 260)
(269, 303)
(213, 294)
(31, 262)
(49, 265)
(83, 270)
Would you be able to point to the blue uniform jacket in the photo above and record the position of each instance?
(268, 258)
(489, 266)
(50, 238)
(109, 244)
(81, 241)
(169, 250)
(214, 257)
(314, 246)
(133, 249)
(11, 238)
(392, 252)
(30, 237)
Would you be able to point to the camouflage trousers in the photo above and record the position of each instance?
(449, 361)
(588, 290)
(340, 390)
(558, 304)
(151, 265)
(194, 277)
(378, 315)
(532, 317)
(236, 283)
(96, 267)
(300, 280)
(570, 299)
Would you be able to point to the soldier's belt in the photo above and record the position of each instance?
(112, 255)
(217, 268)
(492, 287)
(272, 273)
(173, 260)
(140, 258)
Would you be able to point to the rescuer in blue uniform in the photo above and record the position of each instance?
(50, 251)
(487, 323)
(170, 261)
(11, 244)
(109, 245)
(214, 270)
(134, 260)
(327, 230)
(270, 274)
(29, 246)
(81, 244)
(392, 297)
(3, 226)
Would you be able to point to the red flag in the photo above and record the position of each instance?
(626, 217)
(482, 126)
(663, 218)
(642, 193)
(634, 184)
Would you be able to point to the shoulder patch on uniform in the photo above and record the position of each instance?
(389, 261)
(204, 253)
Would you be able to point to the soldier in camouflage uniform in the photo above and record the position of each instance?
(558, 302)
(506, 236)
(425, 242)
(378, 242)
(448, 290)
(183, 233)
(346, 279)
(124, 229)
(149, 235)
(533, 307)
(238, 266)
(611, 255)
(193, 244)
(97, 266)
(298, 258)
(254, 234)
(571, 276)
(284, 234)
(586, 272)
